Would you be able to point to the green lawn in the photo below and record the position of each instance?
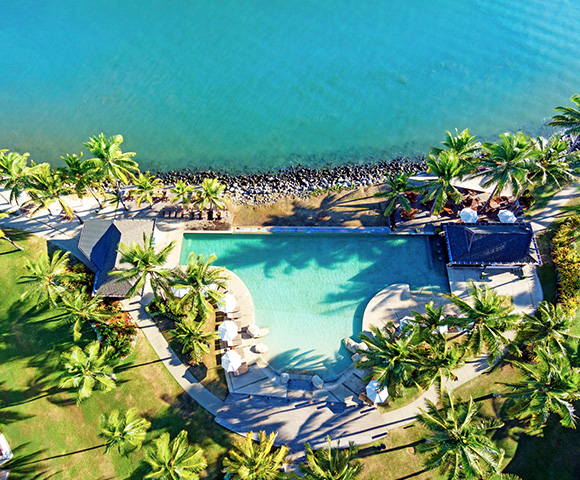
(40, 422)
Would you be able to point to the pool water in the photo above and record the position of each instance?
(310, 290)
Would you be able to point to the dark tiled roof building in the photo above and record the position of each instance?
(483, 244)
(99, 242)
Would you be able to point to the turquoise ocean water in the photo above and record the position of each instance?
(263, 83)
(311, 290)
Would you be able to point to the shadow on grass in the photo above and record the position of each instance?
(22, 466)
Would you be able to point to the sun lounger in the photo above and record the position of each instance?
(366, 400)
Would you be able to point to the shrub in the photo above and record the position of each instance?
(120, 333)
(567, 261)
(168, 308)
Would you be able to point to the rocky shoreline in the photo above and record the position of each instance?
(298, 180)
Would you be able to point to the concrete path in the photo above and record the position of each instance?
(542, 220)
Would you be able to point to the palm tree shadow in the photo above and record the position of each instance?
(22, 466)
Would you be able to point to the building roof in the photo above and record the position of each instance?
(491, 244)
(99, 242)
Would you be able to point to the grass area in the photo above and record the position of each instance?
(411, 394)
(53, 437)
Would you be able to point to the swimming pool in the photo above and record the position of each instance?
(310, 290)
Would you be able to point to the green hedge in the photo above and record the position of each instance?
(567, 261)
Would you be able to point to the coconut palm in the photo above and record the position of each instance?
(438, 359)
(78, 307)
(112, 163)
(457, 444)
(146, 187)
(398, 185)
(193, 339)
(549, 328)
(249, 460)
(48, 277)
(87, 370)
(486, 321)
(210, 195)
(428, 324)
(446, 167)
(391, 359)
(331, 463)
(506, 163)
(550, 386)
(3, 235)
(124, 432)
(82, 176)
(174, 459)
(182, 193)
(463, 144)
(569, 118)
(200, 278)
(14, 172)
(146, 264)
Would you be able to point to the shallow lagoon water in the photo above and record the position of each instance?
(264, 83)
(311, 289)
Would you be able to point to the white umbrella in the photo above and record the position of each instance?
(254, 330)
(375, 393)
(231, 361)
(228, 331)
(468, 215)
(507, 216)
(180, 292)
(229, 304)
(205, 289)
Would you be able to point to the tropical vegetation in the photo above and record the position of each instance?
(331, 463)
(124, 432)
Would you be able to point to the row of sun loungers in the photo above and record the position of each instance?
(180, 212)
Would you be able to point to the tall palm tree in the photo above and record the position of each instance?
(14, 172)
(124, 432)
(438, 360)
(48, 277)
(87, 370)
(569, 119)
(82, 176)
(463, 144)
(428, 324)
(249, 460)
(147, 187)
(446, 167)
(398, 185)
(199, 277)
(182, 193)
(112, 163)
(146, 264)
(174, 459)
(210, 195)
(549, 328)
(392, 360)
(550, 386)
(193, 339)
(331, 463)
(457, 444)
(506, 163)
(3, 235)
(78, 308)
(486, 321)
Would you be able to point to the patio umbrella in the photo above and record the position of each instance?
(375, 393)
(227, 331)
(254, 330)
(231, 361)
(507, 216)
(180, 292)
(468, 215)
(229, 304)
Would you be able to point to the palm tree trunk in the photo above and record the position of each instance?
(4, 237)
(490, 197)
(95, 197)
(120, 196)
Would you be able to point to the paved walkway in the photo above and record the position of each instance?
(552, 211)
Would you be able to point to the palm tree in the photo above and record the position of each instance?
(82, 176)
(14, 172)
(174, 459)
(506, 163)
(182, 193)
(392, 360)
(194, 340)
(485, 321)
(3, 235)
(48, 277)
(550, 386)
(147, 186)
(199, 279)
(428, 324)
(549, 328)
(331, 463)
(446, 167)
(457, 444)
(113, 165)
(463, 144)
(146, 264)
(85, 370)
(438, 359)
(78, 308)
(249, 460)
(398, 185)
(126, 432)
(569, 119)
(211, 195)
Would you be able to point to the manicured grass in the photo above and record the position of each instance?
(411, 394)
(41, 422)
